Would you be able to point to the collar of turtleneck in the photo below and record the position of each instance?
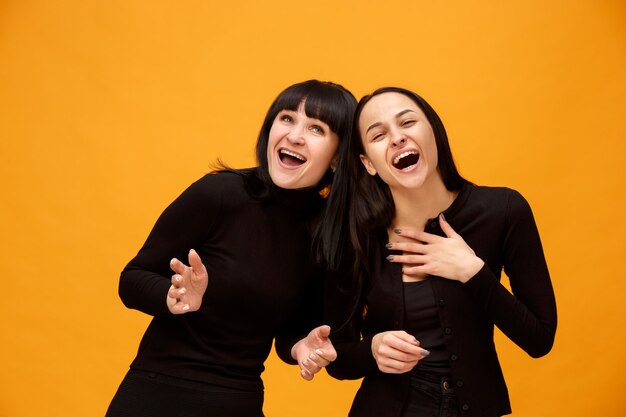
(308, 201)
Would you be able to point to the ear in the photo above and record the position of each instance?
(333, 163)
(368, 165)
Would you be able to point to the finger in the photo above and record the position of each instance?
(418, 270)
(306, 375)
(311, 366)
(176, 292)
(445, 226)
(419, 236)
(397, 367)
(322, 332)
(408, 247)
(319, 359)
(179, 308)
(408, 259)
(177, 266)
(177, 280)
(196, 262)
(328, 353)
(405, 344)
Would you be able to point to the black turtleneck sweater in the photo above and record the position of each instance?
(262, 283)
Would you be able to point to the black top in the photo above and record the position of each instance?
(262, 283)
(421, 319)
(497, 223)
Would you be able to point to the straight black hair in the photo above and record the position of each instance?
(324, 100)
(361, 208)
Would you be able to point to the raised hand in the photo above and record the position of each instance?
(188, 284)
(396, 351)
(314, 352)
(447, 257)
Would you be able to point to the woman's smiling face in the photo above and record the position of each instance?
(398, 140)
(300, 149)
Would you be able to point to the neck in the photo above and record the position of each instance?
(415, 206)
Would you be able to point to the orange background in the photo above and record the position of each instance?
(108, 110)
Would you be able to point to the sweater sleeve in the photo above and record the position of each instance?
(528, 315)
(307, 316)
(354, 351)
(185, 224)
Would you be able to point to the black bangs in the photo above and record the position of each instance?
(326, 101)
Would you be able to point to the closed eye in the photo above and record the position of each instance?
(377, 136)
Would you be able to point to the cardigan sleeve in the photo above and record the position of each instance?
(185, 224)
(527, 316)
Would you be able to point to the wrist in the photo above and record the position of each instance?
(472, 269)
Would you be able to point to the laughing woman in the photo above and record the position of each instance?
(250, 279)
(428, 250)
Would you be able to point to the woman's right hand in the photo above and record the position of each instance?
(396, 351)
(188, 284)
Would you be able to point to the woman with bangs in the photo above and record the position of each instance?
(251, 277)
(417, 253)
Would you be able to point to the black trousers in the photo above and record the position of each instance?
(430, 396)
(146, 394)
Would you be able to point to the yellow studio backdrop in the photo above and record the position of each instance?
(108, 110)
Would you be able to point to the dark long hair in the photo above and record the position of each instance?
(323, 100)
(361, 207)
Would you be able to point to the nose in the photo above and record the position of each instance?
(296, 134)
(398, 139)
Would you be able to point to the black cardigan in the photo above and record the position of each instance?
(497, 223)
(262, 282)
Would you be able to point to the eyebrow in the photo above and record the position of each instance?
(399, 114)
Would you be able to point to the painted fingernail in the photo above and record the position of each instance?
(442, 217)
(388, 245)
(389, 258)
(425, 353)
(397, 231)
(182, 291)
(186, 307)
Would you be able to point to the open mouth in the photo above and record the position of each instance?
(291, 158)
(406, 160)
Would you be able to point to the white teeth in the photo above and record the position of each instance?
(295, 155)
(402, 155)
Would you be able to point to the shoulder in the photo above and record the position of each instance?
(506, 200)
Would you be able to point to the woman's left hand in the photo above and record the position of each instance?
(447, 257)
(314, 352)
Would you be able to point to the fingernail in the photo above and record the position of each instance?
(186, 307)
(192, 251)
(172, 261)
(177, 278)
(312, 356)
(304, 362)
(388, 245)
(182, 291)
(397, 231)
(442, 217)
(425, 353)
(389, 258)
(319, 352)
